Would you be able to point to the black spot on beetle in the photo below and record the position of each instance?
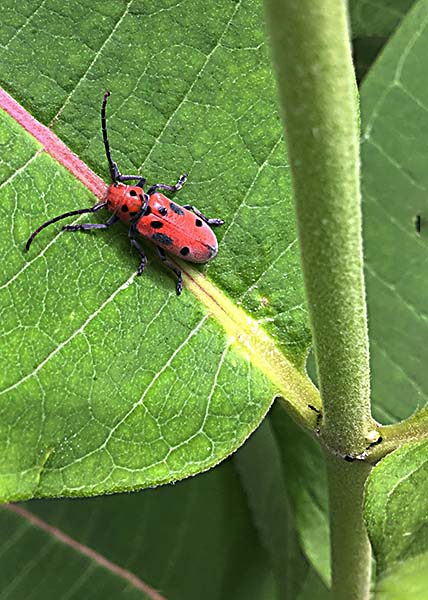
(198, 223)
(161, 238)
(141, 197)
(184, 251)
(177, 209)
(124, 208)
(156, 224)
(133, 193)
(163, 211)
(148, 211)
(108, 202)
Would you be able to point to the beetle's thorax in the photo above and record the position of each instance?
(127, 201)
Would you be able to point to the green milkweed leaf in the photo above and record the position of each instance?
(112, 383)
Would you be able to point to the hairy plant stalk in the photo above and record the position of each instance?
(312, 55)
(350, 546)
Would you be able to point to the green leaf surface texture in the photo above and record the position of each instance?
(30, 549)
(377, 18)
(304, 474)
(172, 539)
(395, 184)
(112, 382)
(407, 580)
(283, 475)
(259, 465)
(373, 22)
(396, 507)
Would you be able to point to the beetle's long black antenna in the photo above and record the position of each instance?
(71, 213)
(112, 165)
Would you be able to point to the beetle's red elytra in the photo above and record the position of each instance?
(180, 230)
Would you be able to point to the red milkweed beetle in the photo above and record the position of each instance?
(181, 230)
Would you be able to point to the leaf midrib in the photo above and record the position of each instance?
(32, 520)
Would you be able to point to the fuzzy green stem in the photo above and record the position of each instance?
(351, 552)
(312, 54)
(311, 50)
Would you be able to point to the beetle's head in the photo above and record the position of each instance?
(127, 201)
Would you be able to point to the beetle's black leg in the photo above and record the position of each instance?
(88, 226)
(169, 188)
(212, 222)
(140, 183)
(171, 266)
(131, 234)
